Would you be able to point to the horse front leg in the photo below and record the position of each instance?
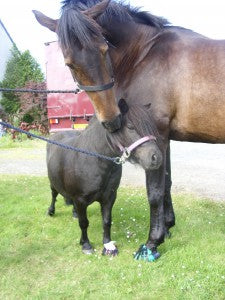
(106, 210)
(168, 206)
(155, 183)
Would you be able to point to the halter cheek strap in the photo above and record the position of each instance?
(101, 87)
(127, 150)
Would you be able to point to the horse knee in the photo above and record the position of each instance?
(107, 222)
(155, 198)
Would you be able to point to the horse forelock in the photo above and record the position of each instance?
(142, 120)
(75, 26)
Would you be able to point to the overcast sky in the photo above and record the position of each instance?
(204, 16)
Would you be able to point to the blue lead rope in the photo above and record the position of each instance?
(116, 160)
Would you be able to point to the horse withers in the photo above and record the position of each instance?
(82, 179)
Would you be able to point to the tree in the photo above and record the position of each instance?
(33, 106)
(20, 69)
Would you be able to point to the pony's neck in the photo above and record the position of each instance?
(94, 139)
(133, 43)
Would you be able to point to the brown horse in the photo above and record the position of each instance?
(181, 72)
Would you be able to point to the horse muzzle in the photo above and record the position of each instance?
(113, 125)
(149, 157)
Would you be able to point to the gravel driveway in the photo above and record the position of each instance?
(196, 168)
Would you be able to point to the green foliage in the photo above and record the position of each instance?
(33, 106)
(20, 69)
(28, 118)
(41, 257)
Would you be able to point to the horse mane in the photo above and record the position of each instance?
(74, 25)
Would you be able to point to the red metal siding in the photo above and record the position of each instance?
(65, 107)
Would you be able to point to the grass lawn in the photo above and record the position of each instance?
(40, 257)
(21, 142)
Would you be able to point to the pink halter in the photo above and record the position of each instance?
(127, 150)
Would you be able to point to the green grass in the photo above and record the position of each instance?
(6, 141)
(40, 257)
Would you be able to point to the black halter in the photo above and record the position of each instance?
(102, 87)
(97, 88)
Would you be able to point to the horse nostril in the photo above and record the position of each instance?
(154, 158)
(108, 126)
(113, 125)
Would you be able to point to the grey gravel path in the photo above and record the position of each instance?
(196, 168)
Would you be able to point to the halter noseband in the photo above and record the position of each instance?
(127, 150)
(97, 88)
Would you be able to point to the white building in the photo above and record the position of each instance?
(6, 43)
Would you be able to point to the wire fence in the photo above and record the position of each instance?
(116, 160)
(76, 91)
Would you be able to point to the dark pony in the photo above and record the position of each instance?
(83, 179)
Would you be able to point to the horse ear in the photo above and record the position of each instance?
(147, 106)
(95, 11)
(123, 106)
(45, 21)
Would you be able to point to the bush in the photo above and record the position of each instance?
(20, 69)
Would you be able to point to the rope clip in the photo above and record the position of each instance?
(121, 160)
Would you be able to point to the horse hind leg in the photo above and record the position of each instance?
(51, 209)
(84, 223)
(74, 210)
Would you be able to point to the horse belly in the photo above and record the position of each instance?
(200, 103)
(200, 120)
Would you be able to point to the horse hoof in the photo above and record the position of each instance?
(146, 254)
(107, 252)
(50, 213)
(110, 249)
(87, 248)
(156, 254)
(88, 251)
